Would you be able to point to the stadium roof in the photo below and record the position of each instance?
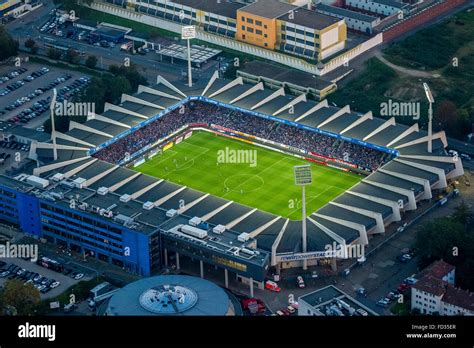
(348, 219)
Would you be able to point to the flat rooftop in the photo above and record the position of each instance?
(310, 19)
(269, 8)
(276, 73)
(328, 296)
(224, 8)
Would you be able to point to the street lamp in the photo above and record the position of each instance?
(303, 177)
(430, 98)
(53, 126)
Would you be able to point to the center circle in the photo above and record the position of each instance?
(243, 182)
(168, 299)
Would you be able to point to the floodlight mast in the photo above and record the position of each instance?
(188, 33)
(431, 101)
(53, 126)
(303, 177)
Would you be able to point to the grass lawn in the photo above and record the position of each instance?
(268, 185)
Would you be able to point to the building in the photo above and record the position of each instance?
(218, 19)
(331, 301)
(110, 212)
(382, 7)
(170, 295)
(435, 292)
(277, 25)
(354, 20)
(7, 6)
(271, 24)
(275, 77)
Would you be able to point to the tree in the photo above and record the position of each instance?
(24, 298)
(72, 56)
(30, 43)
(446, 115)
(463, 214)
(452, 240)
(131, 74)
(91, 62)
(116, 86)
(53, 53)
(8, 46)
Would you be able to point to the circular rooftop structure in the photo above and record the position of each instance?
(170, 295)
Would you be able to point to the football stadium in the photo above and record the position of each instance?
(206, 173)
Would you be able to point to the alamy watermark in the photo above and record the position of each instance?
(9, 250)
(66, 108)
(231, 156)
(400, 109)
(356, 251)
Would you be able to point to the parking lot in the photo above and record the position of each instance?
(26, 91)
(50, 283)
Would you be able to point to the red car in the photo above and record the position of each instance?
(272, 286)
(249, 302)
(403, 287)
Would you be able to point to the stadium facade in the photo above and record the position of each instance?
(111, 212)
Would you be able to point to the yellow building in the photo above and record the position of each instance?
(277, 25)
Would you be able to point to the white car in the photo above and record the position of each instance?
(407, 256)
(300, 282)
(79, 276)
(54, 285)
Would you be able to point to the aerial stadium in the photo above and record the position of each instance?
(206, 173)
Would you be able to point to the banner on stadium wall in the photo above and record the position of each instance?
(337, 167)
(304, 256)
(188, 135)
(168, 146)
(316, 161)
(334, 160)
(152, 154)
(178, 140)
(139, 162)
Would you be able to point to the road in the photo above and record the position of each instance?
(406, 71)
(149, 65)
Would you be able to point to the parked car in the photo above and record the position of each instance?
(69, 307)
(272, 286)
(300, 282)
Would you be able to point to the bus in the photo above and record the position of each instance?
(50, 264)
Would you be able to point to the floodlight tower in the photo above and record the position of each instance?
(53, 127)
(303, 177)
(430, 98)
(188, 33)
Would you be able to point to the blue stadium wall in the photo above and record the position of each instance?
(81, 231)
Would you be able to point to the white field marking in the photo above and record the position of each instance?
(191, 160)
(162, 159)
(251, 177)
(244, 182)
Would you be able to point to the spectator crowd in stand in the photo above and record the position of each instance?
(206, 113)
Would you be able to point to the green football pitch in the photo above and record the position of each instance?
(206, 162)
